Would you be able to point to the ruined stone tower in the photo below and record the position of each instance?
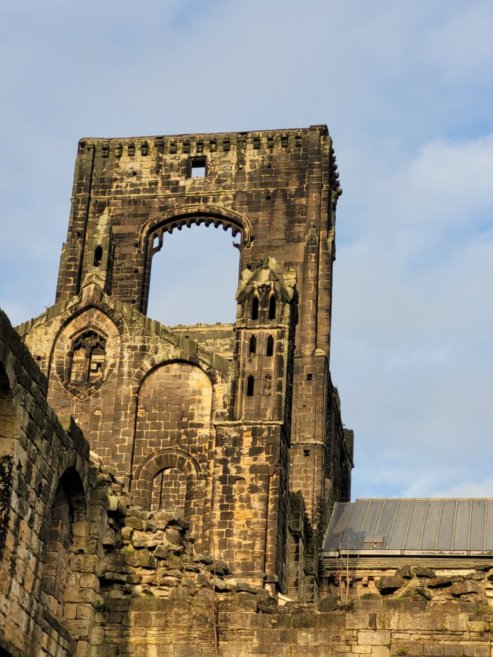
(209, 444)
(235, 427)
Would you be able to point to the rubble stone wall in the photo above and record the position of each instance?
(159, 597)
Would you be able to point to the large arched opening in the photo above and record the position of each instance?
(66, 535)
(194, 276)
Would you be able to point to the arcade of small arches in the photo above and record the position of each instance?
(271, 307)
(269, 345)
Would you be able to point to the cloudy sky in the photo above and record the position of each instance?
(406, 89)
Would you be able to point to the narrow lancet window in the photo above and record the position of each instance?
(270, 346)
(252, 347)
(98, 256)
(255, 308)
(250, 386)
(272, 307)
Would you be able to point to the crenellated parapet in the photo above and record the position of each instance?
(199, 144)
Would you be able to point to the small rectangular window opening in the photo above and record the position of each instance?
(197, 167)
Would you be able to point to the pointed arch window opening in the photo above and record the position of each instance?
(98, 256)
(169, 492)
(66, 534)
(270, 346)
(252, 346)
(255, 307)
(88, 356)
(250, 388)
(272, 307)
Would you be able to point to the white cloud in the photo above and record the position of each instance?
(413, 299)
(468, 488)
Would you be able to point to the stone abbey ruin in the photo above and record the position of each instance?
(173, 489)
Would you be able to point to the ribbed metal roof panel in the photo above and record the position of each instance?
(387, 519)
(416, 524)
(446, 524)
(431, 527)
(478, 525)
(488, 529)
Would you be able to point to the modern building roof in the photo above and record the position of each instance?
(411, 526)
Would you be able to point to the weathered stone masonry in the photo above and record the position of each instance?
(46, 592)
(216, 452)
(221, 424)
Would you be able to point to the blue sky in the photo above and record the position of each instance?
(406, 90)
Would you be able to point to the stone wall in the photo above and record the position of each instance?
(221, 421)
(87, 573)
(277, 190)
(369, 630)
(215, 338)
(133, 347)
(158, 596)
(436, 578)
(45, 595)
(193, 606)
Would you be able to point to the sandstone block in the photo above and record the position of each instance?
(419, 571)
(374, 637)
(466, 587)
(389, 584)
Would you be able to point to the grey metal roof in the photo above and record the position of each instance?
(453, 526)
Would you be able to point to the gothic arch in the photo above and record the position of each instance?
(152, 363)
(65, 533)
(95, 337)
(178, 395)
(152, 232)
(185, 472)
(166, 222)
